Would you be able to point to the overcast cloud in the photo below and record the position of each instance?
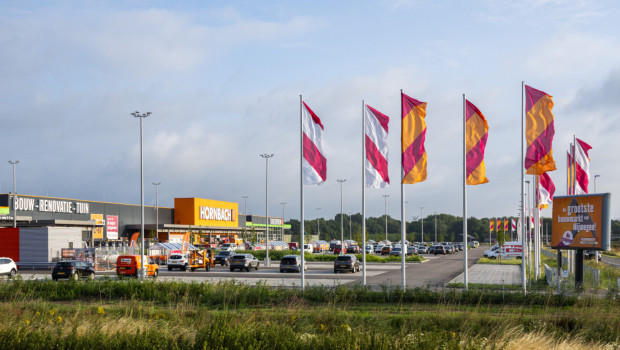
(223, 79)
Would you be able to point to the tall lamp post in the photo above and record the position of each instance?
(266, 157)
(157, 208)
(283, 205)
(137, 114)
(245, 205)
(435, 214)
(422, 218)
(318, 223)
(341, 218)
(595, 176)
(14, 163)
(386, 197)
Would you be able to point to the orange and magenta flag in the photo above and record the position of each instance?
(413, 134)
(491, 225)
(499, 225)
(505, 225)
(477, 132)
(539, 132)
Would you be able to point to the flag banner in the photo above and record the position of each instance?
(513, 226)
(505, 225)
(569, 171)
(499, 224)
(539, 132)
(376, 163)
(582, 167)
(491, 225)
(477, 131)
(413, 134)
(546, 189)
(314, 164)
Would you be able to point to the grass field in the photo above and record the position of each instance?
(168, 315)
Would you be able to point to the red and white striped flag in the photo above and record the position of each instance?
(376, 163)
(315, 163)
(513, 225)
(546, 189)
(582, 167)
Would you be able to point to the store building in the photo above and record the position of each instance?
(45, 225)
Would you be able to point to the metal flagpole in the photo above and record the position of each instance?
(301, 191)
(364, 192)
(464, 194)
(536, 229)
(522, 188)
(403, 221)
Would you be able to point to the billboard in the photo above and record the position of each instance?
(205, 212)
(97, 231)
(581, 222)
(112, 227)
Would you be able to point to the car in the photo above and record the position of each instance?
(346, 263)
(378, 248)
(440, 249)
(73, 269)
(431, 249)
(229, 246)
(178, 261)
(412, 250)
(396, 251)
(590, 254)
(292, 263)
(243, 262)
(459, 246)
(338, 249)
(369, 249)
(129, 266)
(422, 249)
(8, 267)
(223, 257)
(353, 249)
(386, 249)
(449, 248)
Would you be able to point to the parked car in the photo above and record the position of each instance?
(338, 249)
(292, 263)
(353, 249)
(229, 246)
(8, 267)
(459, 246)
(223, 257)
(369, 249)
(422, 249)
(73, 269)
(431, 249)
(412, 250)
(440, 249)
(396, 251)
(129, 265)
(346, 263)
(509, 250)
(243, 262)
(590, 254)
(386, 249)
(378, 248)
(178, 261)
(449, 248)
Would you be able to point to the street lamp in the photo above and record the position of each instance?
(137, 114)
(266, 157)
(245, 205)
(283, 205)
(341, 218)
(318, 223)
(386, 197)
(422, 218)
(14, 163)
(156, 208)
(595, 176)
(435, 214)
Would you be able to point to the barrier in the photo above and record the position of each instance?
(550, 275)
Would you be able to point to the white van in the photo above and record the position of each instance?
(509, 250)
(308, 248)
(229, 246)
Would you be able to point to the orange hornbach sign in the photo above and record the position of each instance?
(205, 212)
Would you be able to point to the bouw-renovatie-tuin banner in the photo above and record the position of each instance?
(581, 222)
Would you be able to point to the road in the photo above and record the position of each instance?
(437, 271)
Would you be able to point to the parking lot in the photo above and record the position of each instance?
(435, 271)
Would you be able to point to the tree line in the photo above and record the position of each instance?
(440, 228)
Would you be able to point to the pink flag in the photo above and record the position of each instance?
(582, 167)
(376, 163)
(546, 189)
(315, 164)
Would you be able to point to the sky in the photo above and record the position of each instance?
(223, 79)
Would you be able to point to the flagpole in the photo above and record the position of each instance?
(364, 192)
(301, 191)
(403, 221)
(536, 228)
(464, 193)
(522, 188)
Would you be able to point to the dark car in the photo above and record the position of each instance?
(338, 249)
(346, 263)
(353, 249)
(431, 250)
(223, 257)
(459, 246)
(73, 269)
(292, 263)
(590, 254)
(440, 249)
(243, 262)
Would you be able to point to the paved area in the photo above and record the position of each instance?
(492, 274)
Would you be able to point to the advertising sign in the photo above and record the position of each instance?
(205, 212)
(112, 227)
(581, 222)
(97, 231)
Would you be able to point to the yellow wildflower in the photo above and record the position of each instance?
(27, 322)
(59, 319)
(100, 311)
